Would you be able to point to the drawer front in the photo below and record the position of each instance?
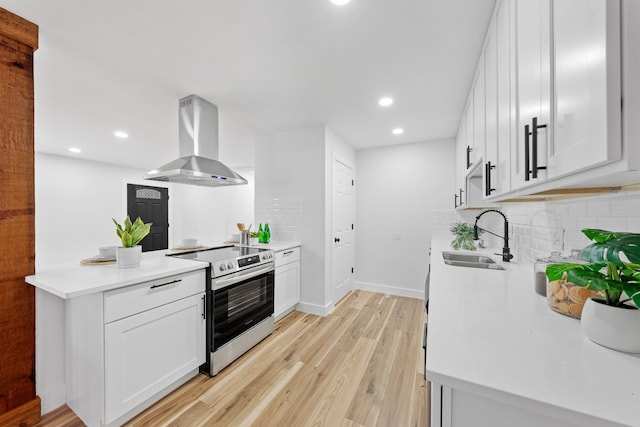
(127, 301)
(287, 256)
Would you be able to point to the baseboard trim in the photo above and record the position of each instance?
(318, 310)
(24, 415)
(384, 289)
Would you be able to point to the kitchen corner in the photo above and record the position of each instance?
(497, 355)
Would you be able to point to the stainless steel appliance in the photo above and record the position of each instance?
(240, 300)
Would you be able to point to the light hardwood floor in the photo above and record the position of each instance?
(360, 366)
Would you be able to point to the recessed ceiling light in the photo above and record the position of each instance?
(397, 131)
(340, 2)
(75, 150)
(121, 134)
(385, 102)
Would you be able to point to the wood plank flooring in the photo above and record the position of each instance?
(360, 366)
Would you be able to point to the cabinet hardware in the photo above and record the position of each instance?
(534, 147)
(204, 306)
(531, 167)
(469, 150)
(290, 252)
(455, 200)
(166, 284)
(527, 171)
(336, 240)
(487, 178)
(460, 197)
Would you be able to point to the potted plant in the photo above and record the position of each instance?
(613, 266)
(463, 236)
(130, 234)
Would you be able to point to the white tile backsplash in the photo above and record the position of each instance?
(537, 228)
(284, 216)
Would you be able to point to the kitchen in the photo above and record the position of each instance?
(383, 215)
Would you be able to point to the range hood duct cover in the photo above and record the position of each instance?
(198, 149)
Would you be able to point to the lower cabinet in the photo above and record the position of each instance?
(287, 282)
(453, 407)
(129, 347)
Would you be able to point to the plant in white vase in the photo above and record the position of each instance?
(614, 268)
(130, 234)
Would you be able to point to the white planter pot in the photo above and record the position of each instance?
(613, 327)
(128, 257)
(253, 241)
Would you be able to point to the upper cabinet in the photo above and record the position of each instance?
(545, 112)
(568, 73)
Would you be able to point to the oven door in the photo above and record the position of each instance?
(241, 300)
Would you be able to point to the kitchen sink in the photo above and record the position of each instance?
(470, 260)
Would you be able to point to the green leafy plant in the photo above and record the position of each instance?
(613, 266)
(463, 236)
(131, 233)
(254, 234)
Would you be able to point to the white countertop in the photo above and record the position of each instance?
(73, 279)
(277, 245)
(491, 334)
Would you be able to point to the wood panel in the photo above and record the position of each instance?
(18, 40)
(359, 366)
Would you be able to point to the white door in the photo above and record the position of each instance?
(343, 256)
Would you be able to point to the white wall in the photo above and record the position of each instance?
(75, 201)
(397, 188)
(291, 188)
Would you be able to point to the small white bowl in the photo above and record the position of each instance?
(107, 251)
(189, 243)
(235, 237)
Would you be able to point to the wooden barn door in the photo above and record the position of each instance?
(18, 402)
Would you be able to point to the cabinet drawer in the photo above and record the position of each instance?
(120, 303)
(287, 256)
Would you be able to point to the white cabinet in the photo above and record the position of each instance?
(128, 347)
(454, 407)
(586, 83)
(287, 282)
(569, 91)
(499, 105)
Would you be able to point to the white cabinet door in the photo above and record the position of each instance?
(586, 81)
(287, 288)
(490, 158)
(534, 92)
(147, 352)
(506, 114)
(478, 112)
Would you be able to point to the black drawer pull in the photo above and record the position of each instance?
(288, 253)
(166, 284)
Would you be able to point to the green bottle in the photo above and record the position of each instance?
(267, 233)
(260, 234)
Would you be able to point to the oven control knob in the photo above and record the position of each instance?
(229, 265)
(223, 267)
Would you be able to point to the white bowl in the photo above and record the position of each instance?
(189, 243)
(107, 251)
(235, 237)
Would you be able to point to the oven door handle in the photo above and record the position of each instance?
(240, 276)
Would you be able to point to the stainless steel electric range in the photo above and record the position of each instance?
(240, 293)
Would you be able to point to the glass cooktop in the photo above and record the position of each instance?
(220, 253)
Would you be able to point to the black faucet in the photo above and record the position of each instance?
(506, 254)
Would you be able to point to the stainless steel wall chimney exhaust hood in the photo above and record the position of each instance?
(198, 145)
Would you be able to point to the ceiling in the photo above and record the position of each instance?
(270, 66)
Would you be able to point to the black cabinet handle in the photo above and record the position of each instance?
(166, 284)
(455, 200)
(460, 197)
(527, 170)
(534, 147)
(204, 306)
(290, 252)
(487, 178)
(469, 150)
(336, 240)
